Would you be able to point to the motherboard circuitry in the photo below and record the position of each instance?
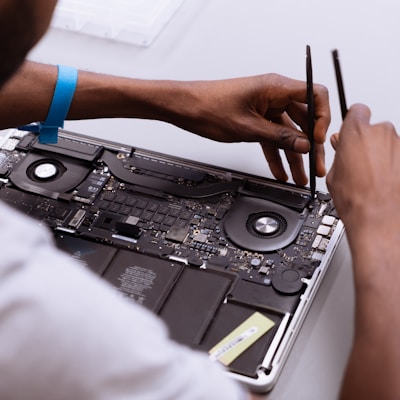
(200, 246)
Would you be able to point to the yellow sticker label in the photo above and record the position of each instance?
(241, 338)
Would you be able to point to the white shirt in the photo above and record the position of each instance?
(67, 335)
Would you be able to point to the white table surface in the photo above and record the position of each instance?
(212, 39)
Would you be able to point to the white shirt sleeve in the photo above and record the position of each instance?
(66, 334)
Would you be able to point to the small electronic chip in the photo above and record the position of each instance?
(177, 234)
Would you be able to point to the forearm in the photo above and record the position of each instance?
(267, 109)
(27, 96)
(372, 371)
(364, 183)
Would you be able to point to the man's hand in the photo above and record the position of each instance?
(269, 109)
(365, 184)
(365, 177)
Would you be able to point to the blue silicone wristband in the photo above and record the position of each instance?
(60, 104)
(59, 107)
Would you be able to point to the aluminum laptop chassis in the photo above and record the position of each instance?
(202, 247)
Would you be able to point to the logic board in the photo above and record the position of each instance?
(200, 246)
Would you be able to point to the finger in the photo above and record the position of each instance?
(274, 161)
(298, 113)
(357, 119)
(296, 165)
(356, 122)
(358, 113)
(320, 160)
(294, 159)
(330, 178)
(282, 133)
(297, 94)
(322, 113)
(335, 140)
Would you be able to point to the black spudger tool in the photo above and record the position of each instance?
(339, 81)
(310, 120)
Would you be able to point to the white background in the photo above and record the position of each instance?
(213, 39)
